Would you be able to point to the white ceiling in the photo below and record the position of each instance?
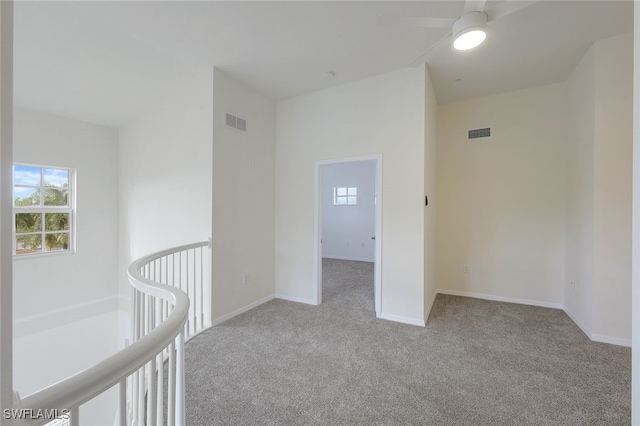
(105, 62)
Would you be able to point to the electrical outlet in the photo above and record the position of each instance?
(572, 285)
(246, 279)
(348, 243)
(465, 269)
(363, 245)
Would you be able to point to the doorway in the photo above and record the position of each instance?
(348, 210)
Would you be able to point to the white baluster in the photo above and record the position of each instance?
(151, 393)
(191, 266)
(122, 403)
(141, 389)
(140, 316)
(180, 270)
(135, 313)
(160, 367)
(160, 391)
(74, 420)
(201, 288)
(171, 399)
(180, 389)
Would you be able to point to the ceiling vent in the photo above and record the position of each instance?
(236, 122)
(479, 133)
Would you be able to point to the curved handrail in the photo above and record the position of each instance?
(87, 384)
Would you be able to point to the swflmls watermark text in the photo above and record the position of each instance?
(35, 414)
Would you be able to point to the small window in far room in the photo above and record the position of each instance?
(43, 207)
(345, 196)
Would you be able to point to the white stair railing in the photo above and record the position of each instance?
(162, 317)
(184, 268)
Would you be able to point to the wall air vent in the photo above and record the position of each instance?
(236, 122)
(231, 120)
(479, 133)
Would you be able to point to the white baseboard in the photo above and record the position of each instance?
(404, 320)
(61, 316)
(597, 337)
(501, 298)
(355, 259)
(239, 311)
(427, 311)
(575, 319)
(295, 299)
(611, 340)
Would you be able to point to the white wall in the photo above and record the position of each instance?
(580, 141)
(6, 213)
(44, 358)
(430, 176)
(379, 115)
(243, 197)
(599, 171)
(347, 229)
(612, 189)
(51, 290)
(166, 160)
(501, 200)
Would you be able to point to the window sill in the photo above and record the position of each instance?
(41, 255)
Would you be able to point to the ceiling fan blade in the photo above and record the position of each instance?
(423, 57)
(414, 21)
(507, 8)
(473, 6)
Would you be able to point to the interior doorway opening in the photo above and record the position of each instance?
(348, 211)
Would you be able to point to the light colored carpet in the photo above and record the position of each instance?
(476, 362)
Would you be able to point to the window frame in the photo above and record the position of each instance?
(70, 209)
(346, 197)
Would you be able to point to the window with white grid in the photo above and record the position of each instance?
(43, 209)
(345, 196)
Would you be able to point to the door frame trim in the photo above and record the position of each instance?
(317, 237)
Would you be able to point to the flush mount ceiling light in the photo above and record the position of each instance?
(469, 30)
